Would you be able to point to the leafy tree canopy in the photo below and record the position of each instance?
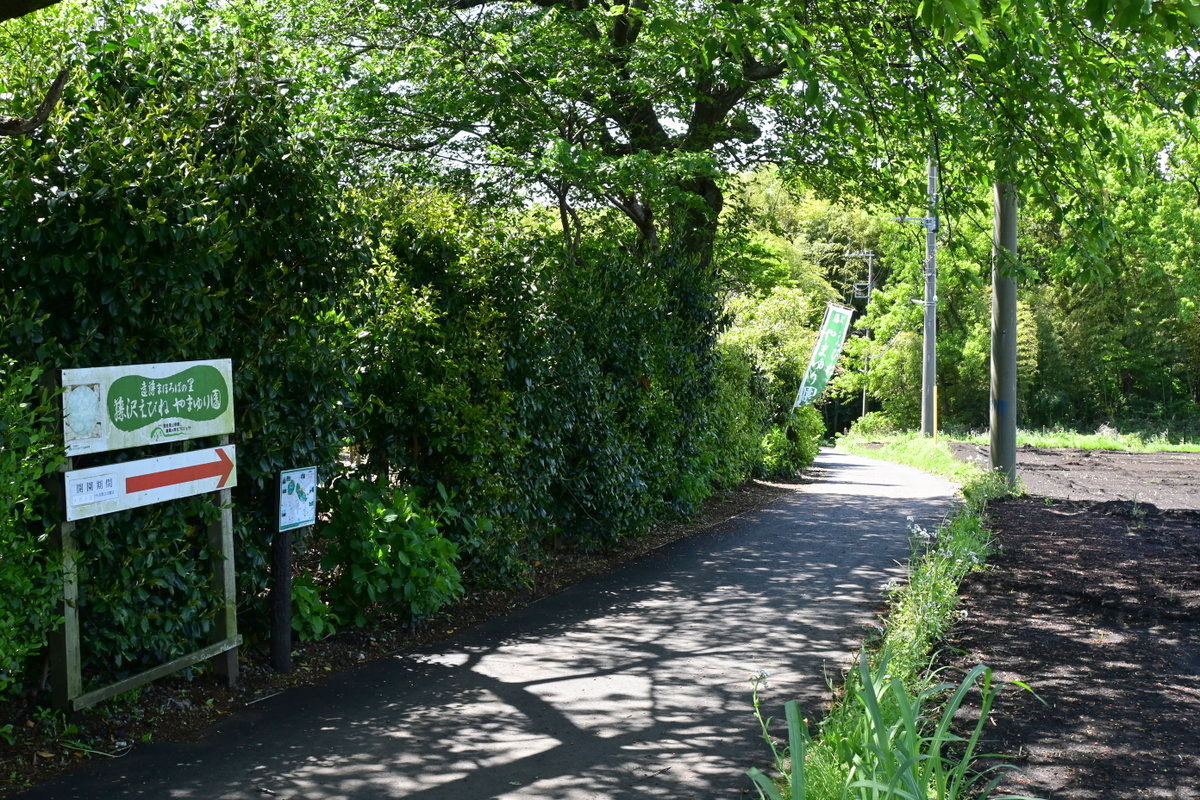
(647, 106)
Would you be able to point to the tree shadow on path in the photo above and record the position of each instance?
(634, 685)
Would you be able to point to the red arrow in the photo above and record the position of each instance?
(221, 468)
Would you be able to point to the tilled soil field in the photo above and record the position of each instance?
(1094, 602)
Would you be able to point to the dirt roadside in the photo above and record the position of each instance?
(1094, 601)
(1165, 480)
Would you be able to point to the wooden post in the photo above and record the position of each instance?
(66, 669)
(65, 643)
(295, 508)
(220, 539)
(281, 601)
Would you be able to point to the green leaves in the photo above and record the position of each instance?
(168, 213)
(28, 455)
(1189, 103)
(385, 557)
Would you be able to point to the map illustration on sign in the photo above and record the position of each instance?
(112, 408)
(297, 498)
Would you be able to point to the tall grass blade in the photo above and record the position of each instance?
(797, 748)
(766, 786)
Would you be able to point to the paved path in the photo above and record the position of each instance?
(631, 686)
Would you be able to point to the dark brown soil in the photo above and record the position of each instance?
(1096, 606)
(1166, 480)
(46, 743)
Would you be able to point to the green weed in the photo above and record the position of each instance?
(912, 449)
(312, 618)
(890, 744)
(388, 555)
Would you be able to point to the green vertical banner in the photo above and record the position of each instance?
(825, 353)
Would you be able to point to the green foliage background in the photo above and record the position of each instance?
(1120, 349)
(494, 276)
(28, 569)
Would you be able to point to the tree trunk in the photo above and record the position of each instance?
(1003, 419)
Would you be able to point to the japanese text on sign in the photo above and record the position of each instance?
(825, 353)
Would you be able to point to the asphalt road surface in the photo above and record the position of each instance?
(635, 685)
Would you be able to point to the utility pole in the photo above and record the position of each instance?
(929, 362)
(865, 292)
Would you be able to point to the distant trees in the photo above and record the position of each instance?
(1121, 347)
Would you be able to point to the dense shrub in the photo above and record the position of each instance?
(738, 417)
(386, 556)
(873, 423)
(169, 213)
(28, 571)
(789, 448)
(408, 346)
(777, 330)
(774, 332)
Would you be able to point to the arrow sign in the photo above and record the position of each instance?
(221, 468)
(103, 490)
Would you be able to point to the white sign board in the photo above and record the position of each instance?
(111, 408)
(116, 487)
(297, 498)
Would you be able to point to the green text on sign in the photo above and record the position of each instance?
(196, 394)
(112, 408)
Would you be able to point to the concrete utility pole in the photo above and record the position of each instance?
(1003, 417)
(929, 362)
(869, 255)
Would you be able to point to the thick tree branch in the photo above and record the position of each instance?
(464, 5)
(17, 126)
(640, 214)
(409, 147)
(11, 9)
(628, 26)
(754, 70)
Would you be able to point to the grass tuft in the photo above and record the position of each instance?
(913, 449)
(1106, 438)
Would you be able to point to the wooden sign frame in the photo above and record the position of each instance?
(66, 667)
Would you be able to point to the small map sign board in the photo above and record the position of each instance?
(297, 498)
(112, 408)
(131, 484)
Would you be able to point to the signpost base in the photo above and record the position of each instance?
(281, 601)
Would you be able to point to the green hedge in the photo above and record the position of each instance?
(28, 454)
(168, 212)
